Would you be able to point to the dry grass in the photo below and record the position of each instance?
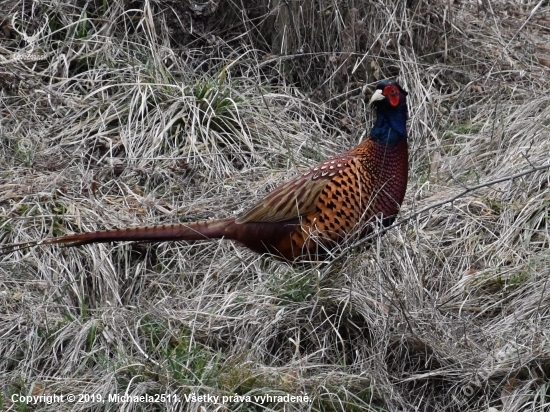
(119, 116)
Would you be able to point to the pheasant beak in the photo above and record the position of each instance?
(377, 96)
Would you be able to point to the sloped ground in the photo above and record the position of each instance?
(117, 115)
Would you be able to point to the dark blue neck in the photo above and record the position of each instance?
(390, 127)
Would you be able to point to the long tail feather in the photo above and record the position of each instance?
(14, 247)
(188, 231)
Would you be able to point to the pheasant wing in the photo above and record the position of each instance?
(297, 197)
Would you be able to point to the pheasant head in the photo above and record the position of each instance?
(390, 101)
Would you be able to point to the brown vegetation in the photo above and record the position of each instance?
(117, 114)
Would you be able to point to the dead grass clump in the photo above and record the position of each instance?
(119, 114)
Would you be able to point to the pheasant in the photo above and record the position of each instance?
(307, 217)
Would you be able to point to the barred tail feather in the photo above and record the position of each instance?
(184, 231)
(14, 247)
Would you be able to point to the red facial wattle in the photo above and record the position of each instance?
(392, 93)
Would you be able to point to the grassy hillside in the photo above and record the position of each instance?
(118, 114)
